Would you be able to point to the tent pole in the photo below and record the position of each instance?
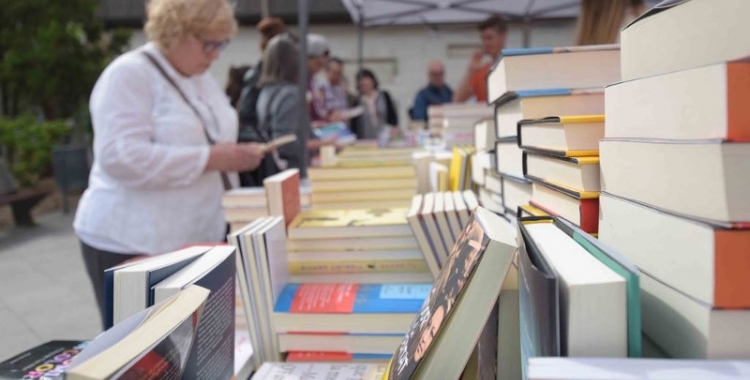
(361, 39)
(526, 32)
(303, 14)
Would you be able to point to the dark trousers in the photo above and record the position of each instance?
(97, 261)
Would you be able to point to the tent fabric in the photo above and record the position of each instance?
(404, 12)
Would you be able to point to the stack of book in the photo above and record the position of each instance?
(561, 158)
(246, 204)
(455, 122)
(380, 179)
(432, 170)
(675, 184)
(354, 245)
(437, 219)
(484, 173)
(459, 172)
(531, 84)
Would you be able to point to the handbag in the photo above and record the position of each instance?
(224, 177)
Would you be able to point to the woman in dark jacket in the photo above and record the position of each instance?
(380, 116)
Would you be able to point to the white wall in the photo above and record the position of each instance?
(403, 52)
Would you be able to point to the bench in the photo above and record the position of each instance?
(21, 203)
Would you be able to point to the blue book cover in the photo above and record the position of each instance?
(352, 298)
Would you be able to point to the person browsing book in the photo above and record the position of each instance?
(474, 83)
(437, 92)
(165, 145)
(380, 117)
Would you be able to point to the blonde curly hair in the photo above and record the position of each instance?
(169, 21)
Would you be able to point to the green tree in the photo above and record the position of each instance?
(51, 53)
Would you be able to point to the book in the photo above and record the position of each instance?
(580, 208)
(323, 224)
(352, 243)
(580, 173)
(559, 67)
(369, 171)
(704, 180)
(215, 270)
(349, 343)
(344, 135)
(508, 328)
(362, 196)
(244, 215)
(538, 300)
(348, 307)
(364, 278)
(128, 287)
(529, 210)
(283, 193)
(693, 104)
(155, 341)
(419, 228)
(446, 329)
(323, 356)
(514, 106)
(483, 360)
(439, 242)
(626, 369)
(689, 329)
(471, 201)
(623, 267)
(46, 361)
(509, 157)
(592, 296)
(516, 192)
(378, 265)
(656, 42)
(492, 182)
(462, 208)
(484, 135)
(320, 187)
(451, 214)
(457, 172)
(442, 220)
(710, 266)
(245, 197)
(562, 136)
(319, 371)
(354, 255)
(439, 177)
(491, 201)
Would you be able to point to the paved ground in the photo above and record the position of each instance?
(44, 291)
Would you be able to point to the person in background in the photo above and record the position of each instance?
(268, 27)
(380, 117)
(334, 92)
(165, 142)
(600, 22)
(474, 83)
(436, 92)
(317, 58)
(234, 83)
(279, 102)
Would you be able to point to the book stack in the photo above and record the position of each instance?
(354, 245)
(561, 158)
(455, 122)
(368, 178)
(437, 220)
(459, 172)
(675, 163)
(532, 84)
(483, 167)
(246, 204)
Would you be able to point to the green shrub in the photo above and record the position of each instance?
(27, 145)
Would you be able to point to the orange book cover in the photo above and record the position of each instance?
(282, 191)
(738, 91)
(731, 260)
(589, 210)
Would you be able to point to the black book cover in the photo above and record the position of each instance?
(47, 361)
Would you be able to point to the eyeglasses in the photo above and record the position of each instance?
(210, 47)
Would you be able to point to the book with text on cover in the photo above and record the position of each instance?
(47, 361)
(319, 371)
(322, 224)
(446, 329)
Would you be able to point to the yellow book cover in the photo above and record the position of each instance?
(369, 171)
(349, 218)
(529, 210)
(454, 172)
(443, 182)
(357, 266)
(363, 196)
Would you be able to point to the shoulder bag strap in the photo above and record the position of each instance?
(224, 177)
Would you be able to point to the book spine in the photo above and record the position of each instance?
(363, 266)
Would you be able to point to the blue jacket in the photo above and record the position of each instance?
(428, 96)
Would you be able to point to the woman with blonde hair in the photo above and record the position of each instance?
(165, 138)
(600, 21)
